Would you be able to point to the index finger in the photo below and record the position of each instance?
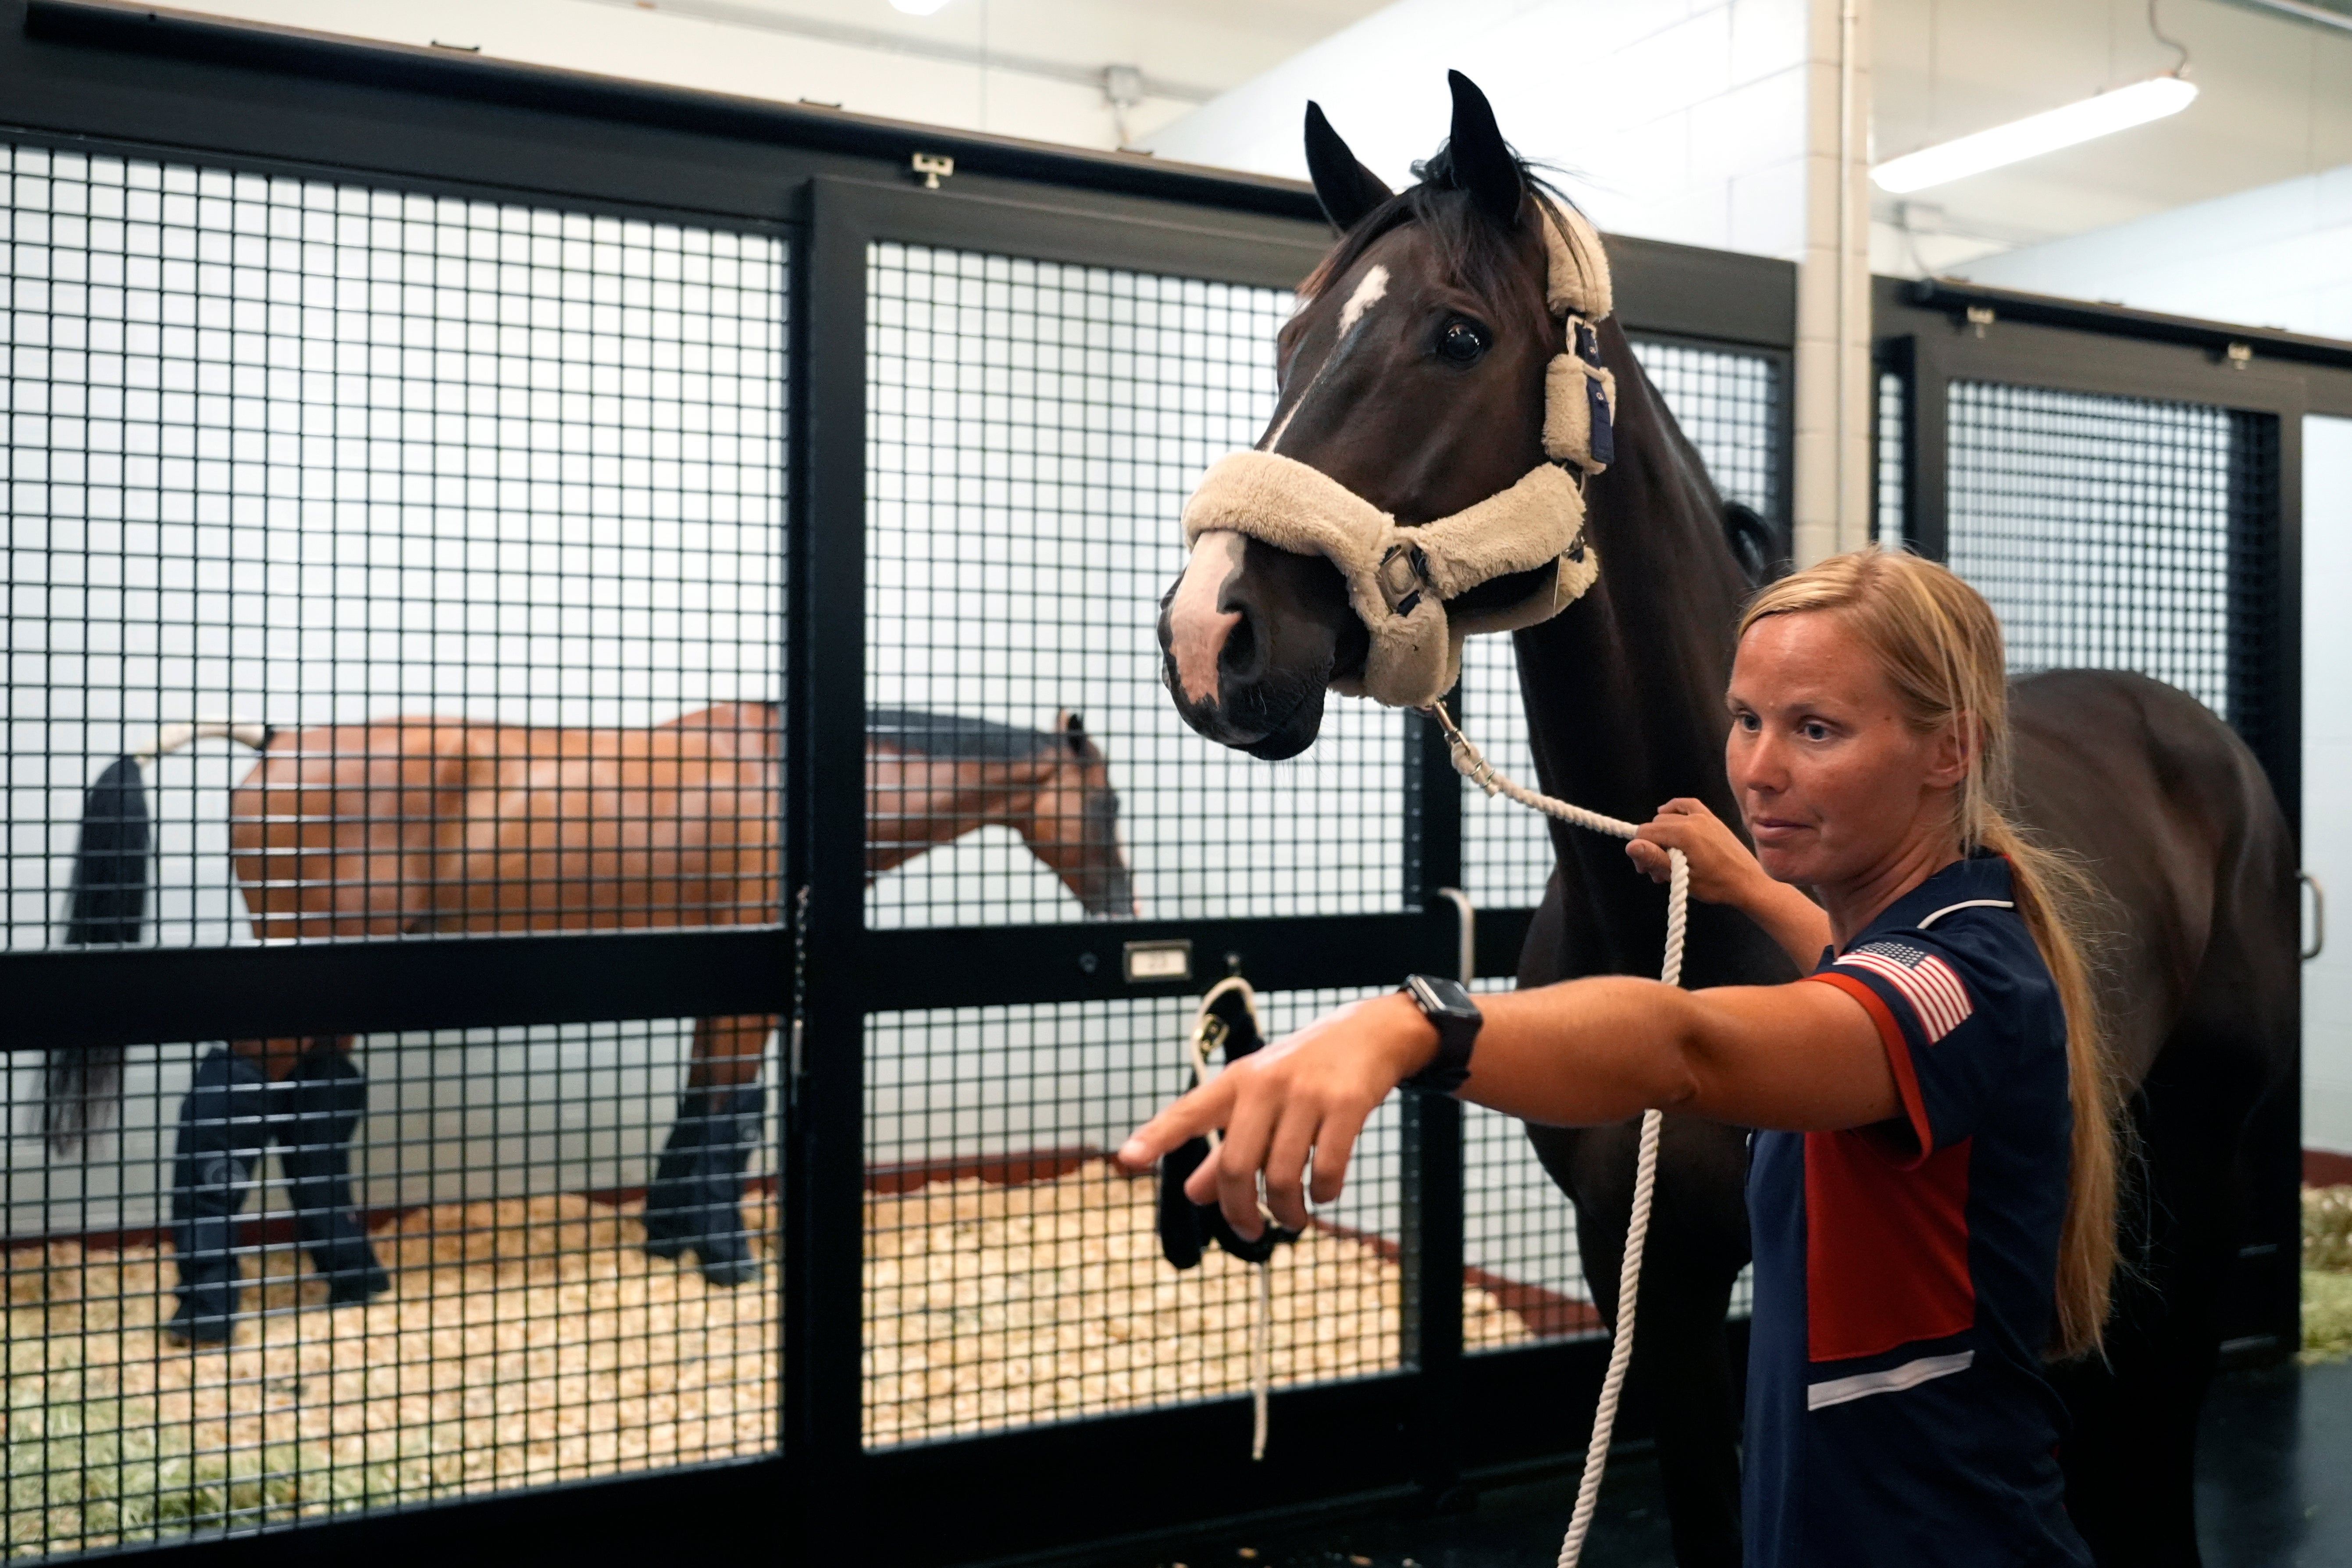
(1205, 1108)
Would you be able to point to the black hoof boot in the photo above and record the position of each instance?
(695, 1203)
(326, 1097)
(224, 1123)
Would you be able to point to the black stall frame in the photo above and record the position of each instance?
(92, 74)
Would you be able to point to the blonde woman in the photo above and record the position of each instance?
(1932, 1191)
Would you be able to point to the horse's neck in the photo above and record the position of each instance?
(953, 795)
(1624, 688)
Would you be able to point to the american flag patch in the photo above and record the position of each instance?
(1936, 996)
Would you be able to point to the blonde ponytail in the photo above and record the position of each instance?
(1940, 647)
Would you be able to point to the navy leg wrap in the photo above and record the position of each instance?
(328, 1098)
(223, 1125)
(694, 1203)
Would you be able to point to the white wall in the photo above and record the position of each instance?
(2279, 255)
(2328, 776)
(1678, 120)
(455, 1116)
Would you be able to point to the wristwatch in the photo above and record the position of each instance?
(1447, 1005)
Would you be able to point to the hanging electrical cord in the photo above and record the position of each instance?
(2181, 66)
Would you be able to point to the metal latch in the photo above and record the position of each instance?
(931, 168)
(2241, 356)
(1980, 317)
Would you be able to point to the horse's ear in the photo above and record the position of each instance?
(1346, 188)
(1481, 161)
(1073, 728)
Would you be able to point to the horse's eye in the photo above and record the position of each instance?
(1460, 341)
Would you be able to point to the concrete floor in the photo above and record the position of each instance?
(2274, 1490)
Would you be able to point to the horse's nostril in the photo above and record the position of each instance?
(1239, 656)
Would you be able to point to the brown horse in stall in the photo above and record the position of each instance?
(1414, 375)
(419, 826)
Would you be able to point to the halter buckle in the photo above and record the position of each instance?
(1403, 577)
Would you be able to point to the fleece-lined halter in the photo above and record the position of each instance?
(1400, 576)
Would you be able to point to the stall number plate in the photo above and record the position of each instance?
(1158, 961)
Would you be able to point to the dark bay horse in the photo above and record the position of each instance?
(423, 825)
(1431, 398)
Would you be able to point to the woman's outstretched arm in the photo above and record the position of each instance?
(1798, 1056)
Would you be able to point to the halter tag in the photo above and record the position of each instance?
(1605, 433)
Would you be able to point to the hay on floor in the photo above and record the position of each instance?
(531, 1340)
(525, 1341)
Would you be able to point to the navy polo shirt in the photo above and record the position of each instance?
(1905, 1272)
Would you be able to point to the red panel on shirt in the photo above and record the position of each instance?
(1898, 1055)
(1886, 1247)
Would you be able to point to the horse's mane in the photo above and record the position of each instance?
(955, 735)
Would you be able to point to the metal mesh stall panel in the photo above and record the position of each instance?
(1033, 430)
(1013, 1277)
(527, 1336)
(1520, 1236)
(469, 500)
(1728, 403)
(2103, 529)
(469, 516)
(1518, 1230)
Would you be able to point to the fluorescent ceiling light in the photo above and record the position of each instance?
(919, 8)
(2036, 134)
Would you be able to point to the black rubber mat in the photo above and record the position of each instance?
(2273, 1490)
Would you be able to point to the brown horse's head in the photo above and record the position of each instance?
(1074, 824)
(1414, 375)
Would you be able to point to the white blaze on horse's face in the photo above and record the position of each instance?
(1370, 290)
(1197, 625)
(1367, 295)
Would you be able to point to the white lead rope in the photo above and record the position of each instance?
(1471, 765)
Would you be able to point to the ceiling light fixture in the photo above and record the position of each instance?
(2035, 134)
(919, 8)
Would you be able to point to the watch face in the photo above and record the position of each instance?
(1438, 994)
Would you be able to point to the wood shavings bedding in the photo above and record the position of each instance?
(530, 1340)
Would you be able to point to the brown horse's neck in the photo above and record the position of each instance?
(1623, 689)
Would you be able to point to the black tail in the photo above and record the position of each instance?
(83, 1085)
(109, 872)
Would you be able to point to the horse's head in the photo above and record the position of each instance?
(1421, 475)
(1073, 828)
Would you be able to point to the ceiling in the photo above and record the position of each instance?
(2275, 102)
(1022, 67)
(2276, 98)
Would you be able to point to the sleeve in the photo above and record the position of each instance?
(1928, 1000)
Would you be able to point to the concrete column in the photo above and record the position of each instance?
(1831, 488)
